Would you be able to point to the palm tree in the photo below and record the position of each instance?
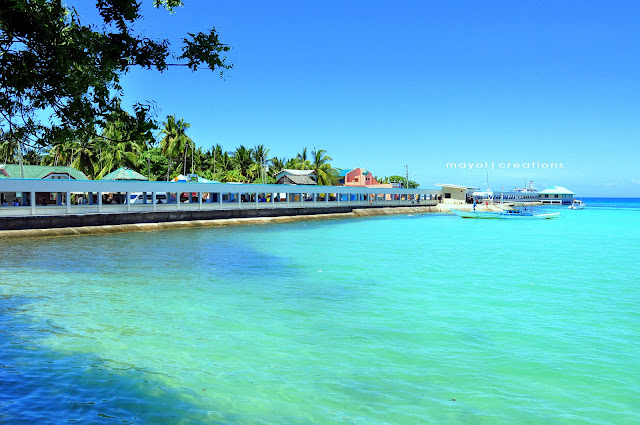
(232, 176)
(198, 156)
(8, 148)
(226, 162)
(59, 153)
(84, 158)
(327, 175)
(115, 149)
(33, 157)
(277, 165)
(120, 154)
(175, 142)
(301, 161)
(242, 160)
(260, 157)
(211, 158)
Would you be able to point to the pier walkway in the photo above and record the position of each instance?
(28, 203)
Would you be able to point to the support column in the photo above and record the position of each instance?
(153, 200)
(199, 200)
(68, 202)
(239, 200)
(128, 201)
(99, 202)
(32, 201)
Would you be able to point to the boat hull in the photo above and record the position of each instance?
(577, 204)
(501, 215)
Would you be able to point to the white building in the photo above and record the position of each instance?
(556, 195)
(455, 194)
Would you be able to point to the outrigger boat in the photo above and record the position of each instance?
(508, 214)
(505, 213)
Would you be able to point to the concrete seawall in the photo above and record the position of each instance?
(21, 227)
(92, 219)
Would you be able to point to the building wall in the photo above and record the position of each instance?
(556, 198)
(452, 195)
(355, 177)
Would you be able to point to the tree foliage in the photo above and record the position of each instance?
(175, 143)
(327, 175)
(400, 179)
(60, 78)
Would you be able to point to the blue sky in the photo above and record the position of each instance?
(381, 84)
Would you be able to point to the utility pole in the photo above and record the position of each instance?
(406, 167)
(71, 162)
(20, 158)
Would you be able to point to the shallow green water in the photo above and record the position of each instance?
(402, 320)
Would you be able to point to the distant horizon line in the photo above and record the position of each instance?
(607, 197)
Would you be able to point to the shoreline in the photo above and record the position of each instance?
(223, 222)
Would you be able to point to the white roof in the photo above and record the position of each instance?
(557, 190)
(455, 186)
(297, 172)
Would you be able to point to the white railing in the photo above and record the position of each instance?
(77, 197)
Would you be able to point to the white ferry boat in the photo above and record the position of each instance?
(577, 204)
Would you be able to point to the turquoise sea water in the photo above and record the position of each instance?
(426, 319)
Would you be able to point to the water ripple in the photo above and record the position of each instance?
(373, 321)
